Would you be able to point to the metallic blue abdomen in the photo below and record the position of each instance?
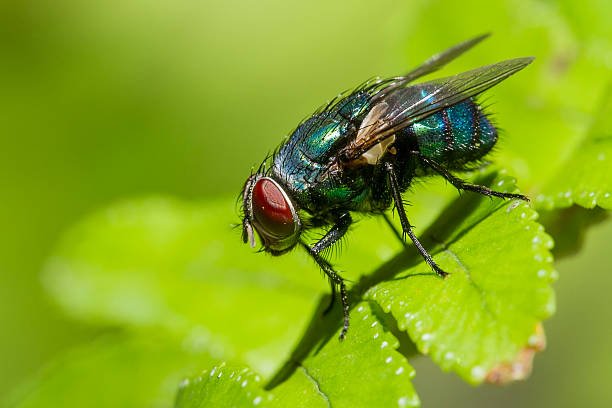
(454, 136)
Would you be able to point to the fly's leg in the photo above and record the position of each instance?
(462, 185)
(333, 235)
(406, 227)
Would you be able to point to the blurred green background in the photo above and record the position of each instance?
(102, 100)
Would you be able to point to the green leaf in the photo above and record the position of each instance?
(178, 266)
(299, 391)
(159, 263)
(489, 308)
(363, 370)
(586, 177)
(175, 265)
(223, 386)
(235, 386)
(163, 263)
(117, 370)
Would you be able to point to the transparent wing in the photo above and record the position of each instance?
(437, 61)
(408, 104)
(381, 87)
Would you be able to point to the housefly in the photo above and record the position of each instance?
(361, 151)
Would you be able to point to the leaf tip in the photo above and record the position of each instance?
(520, 367)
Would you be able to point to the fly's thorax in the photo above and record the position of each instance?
(302, 164)
(324, 133)
(270, 211)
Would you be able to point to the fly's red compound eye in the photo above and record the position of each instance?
(271, 210)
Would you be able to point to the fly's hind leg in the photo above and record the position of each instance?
(406, 227)
(331, 237)
(462, 185)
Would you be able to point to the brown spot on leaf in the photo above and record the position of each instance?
(520, 367)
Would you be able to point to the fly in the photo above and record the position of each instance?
(360, 152)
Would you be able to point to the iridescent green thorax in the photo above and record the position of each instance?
(301, 164)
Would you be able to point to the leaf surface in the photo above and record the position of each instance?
(364, 370)
(585, 178)
(497, 293)
(166, 264)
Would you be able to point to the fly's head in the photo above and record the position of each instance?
(270, 212)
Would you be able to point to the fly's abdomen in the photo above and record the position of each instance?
(456, 135)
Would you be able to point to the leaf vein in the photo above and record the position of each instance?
(316, 384)
(480, 291)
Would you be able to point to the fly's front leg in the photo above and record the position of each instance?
(462, 185)
(333, 235)
(406, 227)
